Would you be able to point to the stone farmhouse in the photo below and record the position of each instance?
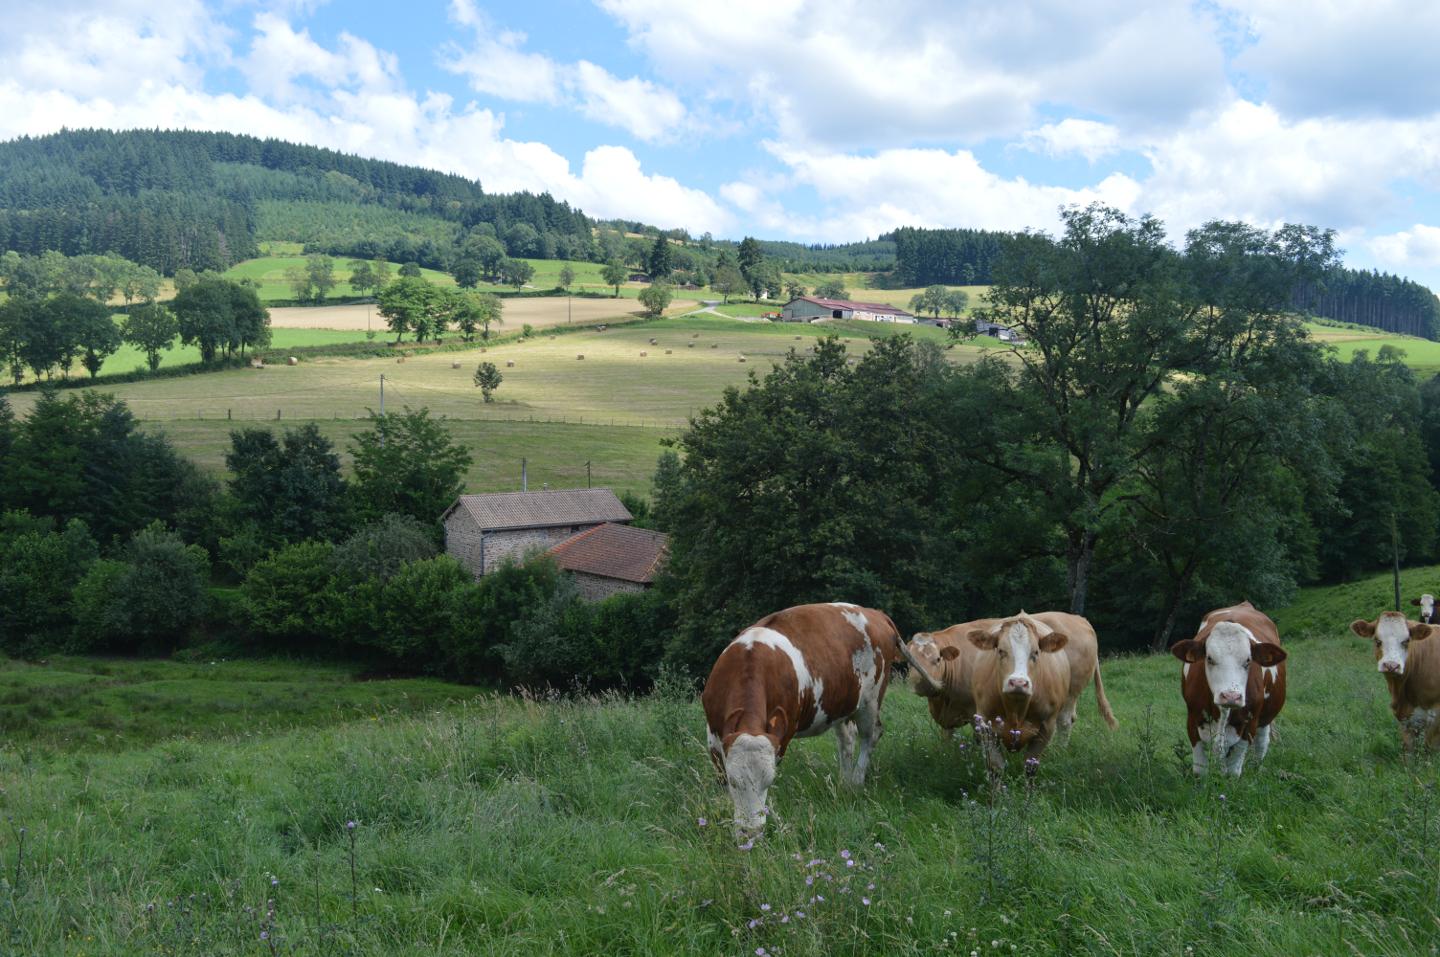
(483, 530)
(813, 308)
(611, 558)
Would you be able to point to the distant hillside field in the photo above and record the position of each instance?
(269, 272)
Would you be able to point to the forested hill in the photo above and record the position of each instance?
(205, 200)
(1372, 299)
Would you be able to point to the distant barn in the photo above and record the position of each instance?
(811, 308)
(483, 530)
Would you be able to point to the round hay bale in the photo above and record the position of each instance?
(644, 354)
(509, 363)
(257, 363)
(714, 345)
(690, 345)
(292, 361)
(668, 351)
(654, 342)
(455, 363)
(797, 338)
(401, 359)
(580, 356)
(484, 349)
(694, 335)
(742, 358)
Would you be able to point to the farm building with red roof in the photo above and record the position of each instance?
(612, 558)
(814, 308)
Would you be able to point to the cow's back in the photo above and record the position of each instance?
(1082, 648)
(1246, 615)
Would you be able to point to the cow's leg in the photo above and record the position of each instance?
(845, 745)
(1235, 753)
(869, 728)
(1262, 743)
(1198, 760)
(1432, 729)
(1065, 722)
(946, 734)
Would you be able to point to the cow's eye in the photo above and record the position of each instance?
(1210, 661)
(1246, 664)
(1034, 655)
(1002, 654)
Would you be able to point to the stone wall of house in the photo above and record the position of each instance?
(516, 543)
(462, 540)
(597, 587)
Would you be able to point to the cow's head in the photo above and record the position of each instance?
(1228, 652)
(1426, 604)
(927, 664)
(1018, 643)
(1392, 635)
(750, 770)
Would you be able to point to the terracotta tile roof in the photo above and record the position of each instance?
(879, 307)
(614, 551)
(581, 506)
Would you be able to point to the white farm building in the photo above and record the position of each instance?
(813, 308)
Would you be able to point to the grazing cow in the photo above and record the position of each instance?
(1234, 699)
(1426, 604)
(797, 673)
(1028, 679)
(1411, 666)
(942, 665)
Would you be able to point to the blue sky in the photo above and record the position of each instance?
(817, 120)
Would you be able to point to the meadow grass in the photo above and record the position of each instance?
(269, 273)
(1422, 355)
(521, 825)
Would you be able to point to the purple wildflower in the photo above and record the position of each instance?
(701, 821)
(764, 906)
(845, 854)
(748, 844)
(351, 825)
(865, 901)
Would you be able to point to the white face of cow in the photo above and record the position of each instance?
(1427, 607)
(749, 772)
(1018, 644)
(1392, 635)
(1227, 663)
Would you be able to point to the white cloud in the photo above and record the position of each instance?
(279, 56)
(494, 63)
(1072, 136)
(868, 195)
(1375, 58)
(1415, 248)
(855, 73)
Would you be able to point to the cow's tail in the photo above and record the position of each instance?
(1102, 701)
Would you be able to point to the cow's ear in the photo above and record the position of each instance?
(949, 652)
(1363, 628)
(983, 639)
(1419, 631)
(1054, 641)
(1267, 655)
(1415, 602)
(778, 724)
(1188, 650)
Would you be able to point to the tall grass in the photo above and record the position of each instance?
(577, 826)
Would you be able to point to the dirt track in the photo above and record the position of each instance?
(541, 312)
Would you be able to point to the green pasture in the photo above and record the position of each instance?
(191, 809)
(862, 287)
(613, 385)
(269, 272)
(621, 457)
(1422, 355)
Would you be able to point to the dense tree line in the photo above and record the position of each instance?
(956, 257)
(1371, 298)
(181, 199)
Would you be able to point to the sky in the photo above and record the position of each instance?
(813, 120)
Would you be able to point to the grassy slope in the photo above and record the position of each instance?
(509, 826)
(1422, 355)
(613, 408)
(269, 272)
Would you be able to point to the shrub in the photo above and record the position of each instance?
(489, 613)
(285, 594)
(382, 548)
(148, 600)
(408, 617)
(39, 567)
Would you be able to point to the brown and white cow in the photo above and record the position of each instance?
(942, 668)
(1234, 699)
(1028, 678)
(1426, 604)
(1409, 658)
(797, 673)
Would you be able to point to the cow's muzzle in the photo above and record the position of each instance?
(1230, 699)
(1018, 684)
(1392, 668)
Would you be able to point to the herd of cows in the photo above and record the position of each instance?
(1017, 681)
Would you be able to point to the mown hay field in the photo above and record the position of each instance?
(549, 825)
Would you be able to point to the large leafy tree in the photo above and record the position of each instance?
(218, 315)
(290, 488)
(151, 327)
(405, 304)
(407, 463)
(1113, 315)
(614, 274)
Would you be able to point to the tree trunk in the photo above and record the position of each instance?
(1079, 555)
